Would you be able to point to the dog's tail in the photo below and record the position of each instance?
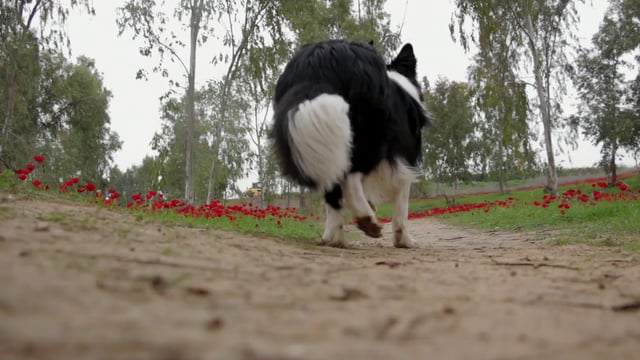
(312, 136)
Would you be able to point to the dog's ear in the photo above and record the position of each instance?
(405, 63)
(407, 52)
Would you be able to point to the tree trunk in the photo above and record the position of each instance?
(189, 193)
(261, 172)
(211, 185)
(501, 181)
(612, 163)
(303, 199)
(215, 147)
(552, 176)
(237, 54)
(8, 119)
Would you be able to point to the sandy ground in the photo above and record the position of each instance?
(80, 282)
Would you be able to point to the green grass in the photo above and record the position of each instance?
(53, 217)
(308, 230)
(604, 223)
(609, 224)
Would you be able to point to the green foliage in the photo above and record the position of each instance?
(607, 114)
(363, 20)
(30, 34)
(138, 179)
(449, 146)
(48, 105)
(169, 144)
(229, 136)
(146, 19)
(86, 142)
(512, 35)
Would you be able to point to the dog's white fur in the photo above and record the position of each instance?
(321, 139)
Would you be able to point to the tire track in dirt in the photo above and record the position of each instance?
(99, 284)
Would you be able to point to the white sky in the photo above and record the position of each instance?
(134, 108)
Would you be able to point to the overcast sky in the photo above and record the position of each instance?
(134, 108)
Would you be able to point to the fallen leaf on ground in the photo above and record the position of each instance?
(199, 291)
(349, 294)
(390, 263)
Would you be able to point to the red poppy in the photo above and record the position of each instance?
(25, 171)
(74, 180)
(90, 186)
(31, 167)
(23, 177)
(39, 158)
(36, 182)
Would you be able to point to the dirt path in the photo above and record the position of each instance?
(96, 284)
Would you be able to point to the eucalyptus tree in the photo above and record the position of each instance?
(260, 70)
(169, 143)
(502, 102)
(606, 114)
(449, 146)
(87, 141)
(28, 29)
(246, 23)
(363, 20)
(541, 30)
(150, 21)
(230, 138)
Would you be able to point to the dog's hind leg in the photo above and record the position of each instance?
(357, 201)
(333, 227)
(401, 238)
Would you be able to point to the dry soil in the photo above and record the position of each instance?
(82, 282)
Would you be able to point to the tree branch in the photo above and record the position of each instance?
(33, 13)
(518, 23)
(173, 53)
(534, 265)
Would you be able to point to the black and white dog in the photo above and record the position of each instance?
(350, 125)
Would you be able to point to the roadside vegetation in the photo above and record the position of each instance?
(591, 210)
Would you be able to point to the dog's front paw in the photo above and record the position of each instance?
(369, 227)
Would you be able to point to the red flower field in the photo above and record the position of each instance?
(154, 201)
